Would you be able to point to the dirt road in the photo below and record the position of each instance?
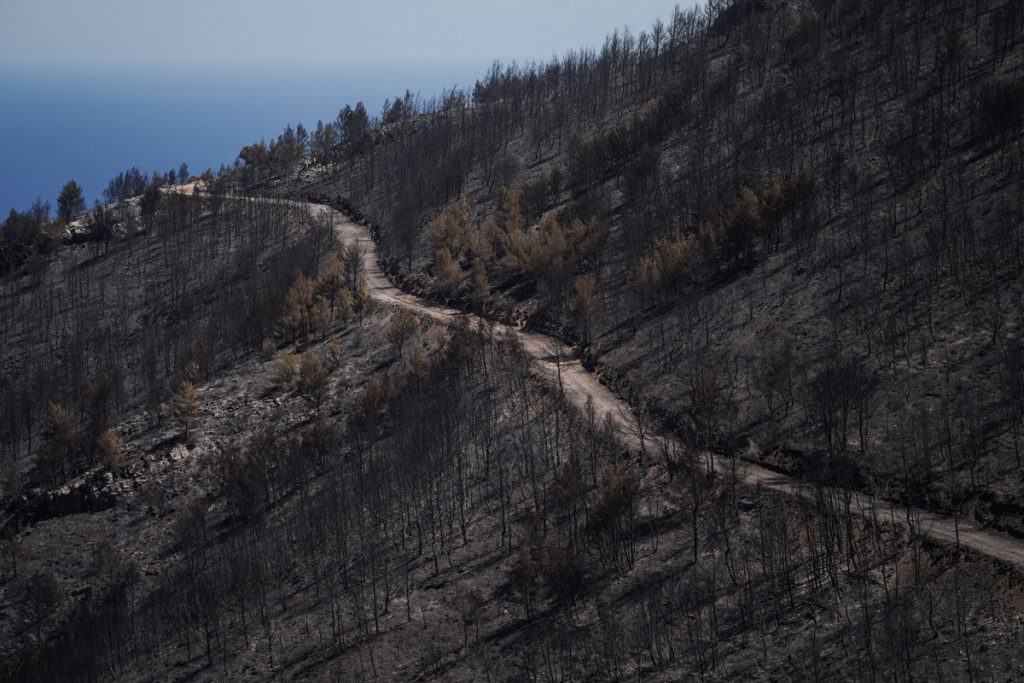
(554, 359)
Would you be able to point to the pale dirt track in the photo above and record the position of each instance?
(554, 359)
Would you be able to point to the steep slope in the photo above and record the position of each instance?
(800, 232)
(582, 389)
(782, 234)
(442, 514)
(111, 322)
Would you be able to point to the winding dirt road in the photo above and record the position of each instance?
(554, 359)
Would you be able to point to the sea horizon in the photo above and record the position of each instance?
(89, 122)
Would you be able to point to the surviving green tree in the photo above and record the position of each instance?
(71, 202)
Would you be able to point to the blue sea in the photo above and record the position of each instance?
(90, 123)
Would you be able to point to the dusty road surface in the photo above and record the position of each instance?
(554, 359)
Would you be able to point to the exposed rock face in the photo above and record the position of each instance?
(94, 493)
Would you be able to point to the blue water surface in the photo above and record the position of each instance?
(88, 123)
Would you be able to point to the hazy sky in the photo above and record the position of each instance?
(246, 31)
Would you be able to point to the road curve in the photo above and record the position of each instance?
(555, 359)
